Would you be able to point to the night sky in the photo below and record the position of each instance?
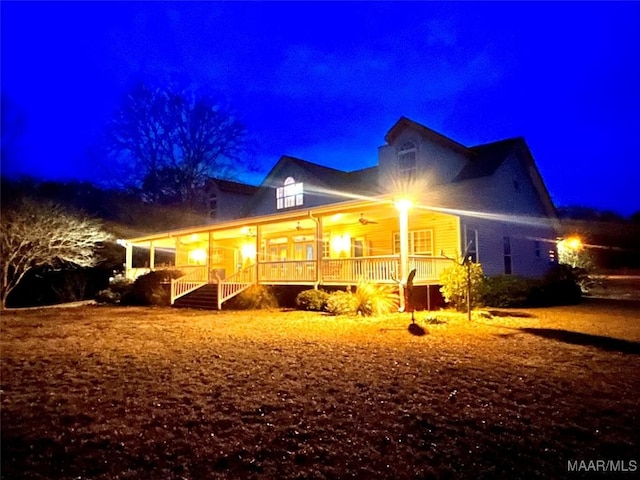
(325, 81)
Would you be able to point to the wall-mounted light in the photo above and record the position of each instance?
(248, 250)
(341, 243)
(198, 256)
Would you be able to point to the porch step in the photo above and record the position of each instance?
(205, 298)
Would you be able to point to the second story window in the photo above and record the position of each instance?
(290, 195)
(407, 159)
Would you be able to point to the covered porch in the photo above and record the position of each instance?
(379, 242)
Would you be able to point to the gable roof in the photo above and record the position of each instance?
(233, 187)
(487, 159)
(403, 123)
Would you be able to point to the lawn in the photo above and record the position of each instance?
(158, 393)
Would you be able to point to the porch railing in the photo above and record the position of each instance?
(234, 284)
(289, 271)
(428, 269)
(383, 269)
(188, 283)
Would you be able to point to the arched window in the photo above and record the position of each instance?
(290, 195)
(407, 159)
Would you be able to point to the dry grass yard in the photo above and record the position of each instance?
(143, 393)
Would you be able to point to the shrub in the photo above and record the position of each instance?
(152, 288)
(342, 303)
(560, 286)
(375, 299)
(369, 299)
(508, 291)
(454, 285)
(256, 297)
(314, 300)
(118, 288)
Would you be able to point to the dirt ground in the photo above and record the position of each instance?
(141, 393)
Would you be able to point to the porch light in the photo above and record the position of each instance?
(341, 244)
(248, 250)
(403, 204)
(198, 256)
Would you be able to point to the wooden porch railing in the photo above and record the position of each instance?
(428, 269)
(234, 284)
(188, 283)
(287, 271)
(381, 269)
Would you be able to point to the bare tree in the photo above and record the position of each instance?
(39, 234)
(171, 140)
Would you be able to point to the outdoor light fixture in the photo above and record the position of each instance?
(248, 250)
(403, 204)
(341, 243)
(198, 256)
(574, 243)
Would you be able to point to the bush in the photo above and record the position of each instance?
(342, 303)
(314, 300)
(454, 285)
(369, 299)
(375, 299)
(508, 291)
(256, 297)
(152, 288)
(118, 288)
(560, 286)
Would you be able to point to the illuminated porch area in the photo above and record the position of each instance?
(378, 242)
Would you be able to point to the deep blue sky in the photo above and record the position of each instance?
(325, 81)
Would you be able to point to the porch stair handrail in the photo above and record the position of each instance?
(234, 284)
(185, 284)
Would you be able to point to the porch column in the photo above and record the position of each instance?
(403, 213)
(257, 260)
(319, 250)
(128, 259)
(210, 276)
(175, 251)
(152, 256)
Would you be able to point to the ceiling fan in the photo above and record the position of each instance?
(365, 221)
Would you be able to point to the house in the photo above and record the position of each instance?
(428, 201)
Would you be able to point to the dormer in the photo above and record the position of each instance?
(416, 154)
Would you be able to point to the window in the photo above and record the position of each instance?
(290, 195)
(216, 256)
(506, 248)
(326, 246)
(420, 242)
(407, 159)
(471, 244)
